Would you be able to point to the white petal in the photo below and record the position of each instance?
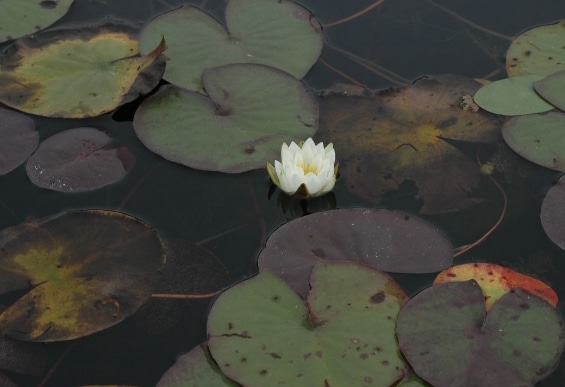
(313, 184)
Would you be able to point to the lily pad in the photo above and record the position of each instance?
(249, 112)
(85, 271)
(23, 17)
(405, 135)
(22, 357)
(553, 213)
(195, 369)
(261, 334)
(448, 340)
(391, 241)
(19, 139)
(537, 51)
(101, 63)
(495, 281)
(551, 88)
(512, 96)
(75, 160)
(539, 138)
(281, 34)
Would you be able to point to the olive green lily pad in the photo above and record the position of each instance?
(88, 270)
(537, 51)
(277, 33)
(261, 333)
(77, 73)
(23, 17)
(551, 88)
(539, 138)
(449, 339)
(512, 96)
(250, 110)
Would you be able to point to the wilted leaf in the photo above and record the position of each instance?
(19, 139)
(400, 135)
(195, 369)
(537, 51)
(75, 160)
(391, 241)
(101, 63)
(448, 340)
(539, 138)
(281, 34)
(261, 334)
(88, 270)
(249, 112)
(23, 17)
(495, 281)
(553, 213)
(512, 96)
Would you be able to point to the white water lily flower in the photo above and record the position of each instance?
(305, 170)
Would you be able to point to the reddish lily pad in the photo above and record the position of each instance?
(262, 334)
(449, 340)
(19, 139)
(392, 241)
(495, 281)
(386, 139)
(553, 213)
(85, 271)
(101, 63)
(76, 160)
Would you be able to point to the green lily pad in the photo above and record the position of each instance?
(261, 333)
(85, 271)
(281, 34)
(195, 369)
(537, 51)
(392, 241)
(512, 96)
(249, 112)
(551, 88)
(23, 17)
(539, 138)
(448, 338)
(100, 62)
(552, 213)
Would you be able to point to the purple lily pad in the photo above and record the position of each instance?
(76, 160)
(449, 340)
(391, 241)
(19, 139)
(553, 213)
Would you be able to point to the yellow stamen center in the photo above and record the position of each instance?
(309, 168)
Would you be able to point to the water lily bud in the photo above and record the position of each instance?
(306, 170)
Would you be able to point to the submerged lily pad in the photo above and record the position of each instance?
(281, 34)
(539, 138)
(495, 281)
(249, 112)
(23, 17)
(512, 96)
(261, 333)
(100, 63)
(195, 369)
(392, 241)
(551, 88)
(19, 139)
(85, 271)
(537, 51)
(553, 213)
(404, 135)
(447, 338)
(75, 160)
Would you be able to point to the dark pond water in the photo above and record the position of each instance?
(232, 215)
